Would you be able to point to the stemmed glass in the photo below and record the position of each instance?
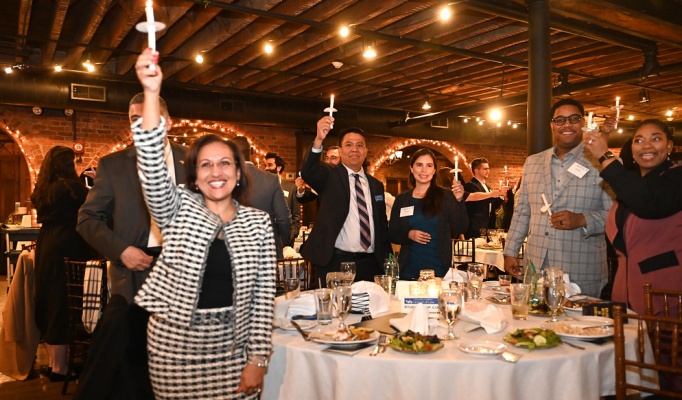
(342, 297)
(476, 275)
(348, 269)
(553, 289)
(449, 305)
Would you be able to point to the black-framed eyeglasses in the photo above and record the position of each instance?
(574, 119)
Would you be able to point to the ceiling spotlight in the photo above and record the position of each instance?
(499, 124)
(89, 66)
(466, 120)
(268, 48)
(200, 59)
(426, 105)
(8, 70)
(644, 96)
(620, 130)
(480, 123)
(495, 114)
(369, 52)
(445, 13)
(515, 126)
(337, 64)
(344, 31)
(478, 119)
(58, 68)
(669, 113)
(509, 122)
(631, 117)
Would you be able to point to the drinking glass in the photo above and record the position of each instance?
(335, 279)
(348, 269)
(343, 296)
(476, 276)
(494, 237)
(520, 292)
(292, 288)
(385, 281)
(553, 289)
(323, 306)
(449, 305)
(484, 234)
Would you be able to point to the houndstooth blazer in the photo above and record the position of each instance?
(579, 252)
(188, 227)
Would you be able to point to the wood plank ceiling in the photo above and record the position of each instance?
(600, 49)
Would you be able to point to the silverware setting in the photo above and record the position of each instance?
(510, 357)
(575, 346)
(380, 346)
(306, 335)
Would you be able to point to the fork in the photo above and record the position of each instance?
(382, 342)
(306, 335)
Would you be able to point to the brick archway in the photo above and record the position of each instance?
(445, 148)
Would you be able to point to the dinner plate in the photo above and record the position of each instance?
(285, 324)
(374, 336)
(572, 329)
(499, 298)
(504, 290)
(410, 351)
(491, 284)
(482, 347)
(489, 247)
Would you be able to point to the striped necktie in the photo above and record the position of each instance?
(365, 235)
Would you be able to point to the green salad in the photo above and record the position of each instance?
(532, 338)
(415, 342)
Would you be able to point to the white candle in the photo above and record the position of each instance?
(151, 29)
(617, 111)
(545, 208)
(505, 170)
(589, 120)
(456, 167)
(501, 184)
(331, 105)
(617, 101)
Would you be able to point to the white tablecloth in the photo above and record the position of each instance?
(300, 370)
(490, 257)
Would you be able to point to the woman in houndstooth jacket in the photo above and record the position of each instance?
(211, 292)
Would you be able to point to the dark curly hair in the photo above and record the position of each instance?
(58, 164)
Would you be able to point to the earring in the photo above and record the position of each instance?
(237, 183)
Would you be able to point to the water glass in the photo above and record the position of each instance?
(505, 280)
(450, 305)
(292, 288)
(476, 275)
(553, 289)
(324, 306)
(335, 279)
(348, 269)
(520, 293)
(385, 281)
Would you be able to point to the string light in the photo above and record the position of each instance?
(344, 31)
(391, 151)
(445, 13)
(369, 52)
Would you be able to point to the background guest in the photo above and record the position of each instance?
(275, 164)
(57, 197)
(212, 291)
(426, 218)
(481, 208)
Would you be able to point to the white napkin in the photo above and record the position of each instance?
(289, 252)
(379, 300)
(480, 241)
(454, 275)
(571, 288)
(303, 305)
(490, 317)
(416, 320)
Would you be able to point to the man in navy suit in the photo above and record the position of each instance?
(481, 211)
(341, 233)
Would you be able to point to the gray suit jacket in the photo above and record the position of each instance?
(579, 252)
(265, 193)
(115, 214)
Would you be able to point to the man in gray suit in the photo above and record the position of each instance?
(115, 220)
(572, 237)
(266, 194)
(275, 164)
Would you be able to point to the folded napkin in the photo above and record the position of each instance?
(454, 275)
(369, 294)
(417, 320)
(289, 252)
(571, 288)
(490, 317)
(480, 241)
(303, 305)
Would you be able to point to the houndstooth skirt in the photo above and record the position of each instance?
(197, 362)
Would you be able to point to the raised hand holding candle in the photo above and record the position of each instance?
(456, 170)
(545, 208)
(150, 27)
(617, 108)
(589, 120)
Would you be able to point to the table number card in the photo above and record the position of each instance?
(431, 304)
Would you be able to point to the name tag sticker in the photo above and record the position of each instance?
(286, 193)
(379, 197)
(578, 170)
(407, 211)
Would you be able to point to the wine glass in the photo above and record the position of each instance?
(553, 290)
(449, 305)
(342, 297)
(335, 279)
(348, 269)
(476, 276)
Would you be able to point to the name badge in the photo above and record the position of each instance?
(578, 170)
(286, 193)
(379, 197)
(407, 211)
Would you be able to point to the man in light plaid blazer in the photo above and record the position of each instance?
(572, 237)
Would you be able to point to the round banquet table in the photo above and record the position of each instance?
(302, 370)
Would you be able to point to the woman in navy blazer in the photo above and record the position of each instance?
(424, 220)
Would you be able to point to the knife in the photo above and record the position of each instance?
(301, 331)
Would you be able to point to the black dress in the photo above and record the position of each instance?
(57, 239)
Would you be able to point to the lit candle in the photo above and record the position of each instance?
(456, 168)
(618, 107)
(545, 208)
(505, 170)
(151, 30)
(589, 120)
(331, 105)
(501, 184)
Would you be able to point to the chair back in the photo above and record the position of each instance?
(666, 303)
(463, 252)
(293, 268)
(80, 337)
(667, 360)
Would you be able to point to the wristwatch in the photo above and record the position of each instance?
(606, 156)
(261, 362)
